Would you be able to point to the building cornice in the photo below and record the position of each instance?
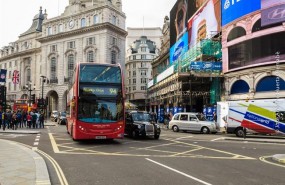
(20, 54)
(96, 27)
(79, 14)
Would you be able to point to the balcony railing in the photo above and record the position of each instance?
(53, 81)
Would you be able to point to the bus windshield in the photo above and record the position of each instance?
(99, 74)
(100, 95)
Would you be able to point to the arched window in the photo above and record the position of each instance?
(70, 65)
(49, 30)
(270, 83)
(113, 57)
(95, 19)
(236, 33)
(28, 75)
(53, 68)
(240, 86)
(90, 56)
(83, 22)
(60, 28)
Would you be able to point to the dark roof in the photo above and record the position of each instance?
(150, 44)
(37, 23)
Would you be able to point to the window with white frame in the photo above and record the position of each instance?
(134, 57)
(143, 72)
(143, 56)
(113, 40)
(134, 73)
(71, 45)
(143, 64)
(53, 48)
(130, 82)
(143, 80)
(113, 57)
(90, 56)
(49, 31)
(114, 20)
(134, 88)
(134, 81)
(143, 88)
(129, 74)
(95, 19)
(134, 65)
(60, 28)
(83, 22)
(53, 68)
(90, 41)
(143, 49)
(28, 75)
(70, 65)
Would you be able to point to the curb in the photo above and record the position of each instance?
(279, 158)
(20, 131)
(256, 140)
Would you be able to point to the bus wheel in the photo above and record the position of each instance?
(239, 132)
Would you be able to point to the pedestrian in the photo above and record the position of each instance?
(24, 118)
(1, 119)
(9, 119)
(41, 120)
(34, 120)
(29, 119)
(14, 121)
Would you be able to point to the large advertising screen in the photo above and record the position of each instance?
(205, 23)
(179, 48)
(181, 12)
(234, 9)
(272, 12)
(258, 51)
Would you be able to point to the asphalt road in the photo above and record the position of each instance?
(176, 158)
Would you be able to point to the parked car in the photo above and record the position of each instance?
(188, 121)
(62, 118)
(54, 116)
(140, 123)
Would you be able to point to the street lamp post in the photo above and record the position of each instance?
(30, 89)
(43, 81)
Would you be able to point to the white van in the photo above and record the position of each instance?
(189, 121)
(264, 116)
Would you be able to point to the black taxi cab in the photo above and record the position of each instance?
(141, 124)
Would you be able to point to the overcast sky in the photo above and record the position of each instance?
(16, 15)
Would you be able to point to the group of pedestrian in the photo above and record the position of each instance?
(21, 119)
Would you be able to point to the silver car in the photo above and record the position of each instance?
(189, 121)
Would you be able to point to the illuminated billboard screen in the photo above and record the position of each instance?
(205, 23)
(234, 9)
(257, 51)
(181, 12)
(272, 12)
(179, 48)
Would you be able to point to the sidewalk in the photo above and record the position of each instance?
(21, 165)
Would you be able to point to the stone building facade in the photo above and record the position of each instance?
(253, 59)
(87, 31)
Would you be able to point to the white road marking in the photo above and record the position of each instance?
(183, 137)
(36, 143)
(217, 139)
(37, 139)
(182, 173)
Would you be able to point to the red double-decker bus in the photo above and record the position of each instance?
(95, 103)
(20, 104)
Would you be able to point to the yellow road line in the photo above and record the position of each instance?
(181, 153)
(263, 159)
(53, 143)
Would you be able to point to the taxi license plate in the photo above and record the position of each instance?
(100, 137)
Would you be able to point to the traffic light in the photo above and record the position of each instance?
(33, 98)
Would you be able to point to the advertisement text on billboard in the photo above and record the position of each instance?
(179, 48)
(273, 12)
(234, 9)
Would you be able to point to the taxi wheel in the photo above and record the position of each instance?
(175, 128)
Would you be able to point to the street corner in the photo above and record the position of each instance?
(279, 158)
